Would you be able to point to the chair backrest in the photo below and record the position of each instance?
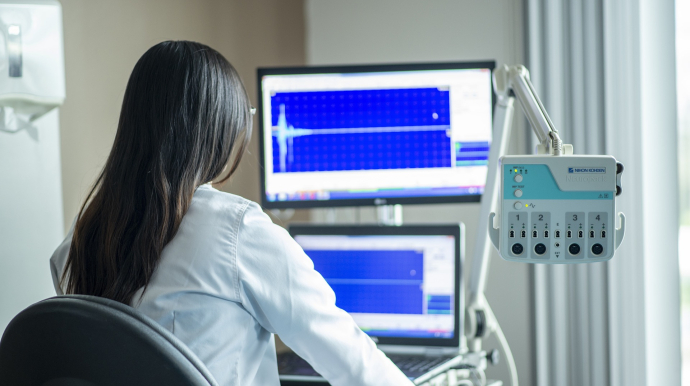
(82, 340)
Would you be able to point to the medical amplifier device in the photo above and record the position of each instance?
(558, 209)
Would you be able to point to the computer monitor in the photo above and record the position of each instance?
(374, 135)
(401, 285)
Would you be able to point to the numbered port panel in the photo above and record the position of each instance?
(565, 236)
(576, 237)
(540, 235)
(597, 234)
(518, 234)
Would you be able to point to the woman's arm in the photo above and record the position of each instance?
(281, 289)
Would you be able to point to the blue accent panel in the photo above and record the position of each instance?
(439, 298)
(360, 130)
(471, 151)
(438, 312)
(373, 281)
(538, 184)
(471, 163)
(439, 304)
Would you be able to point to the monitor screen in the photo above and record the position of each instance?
(372, 135)
(394, 286)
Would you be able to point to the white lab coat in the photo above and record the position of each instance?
(230, 279)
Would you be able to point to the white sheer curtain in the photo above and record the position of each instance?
(566, 60)
(605, 71)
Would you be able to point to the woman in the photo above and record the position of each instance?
(209, 266)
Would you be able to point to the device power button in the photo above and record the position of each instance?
(518, 193)
(518, 178)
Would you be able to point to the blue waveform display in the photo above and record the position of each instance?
(439, 304)
(471, 153)
(361, 130)
(373, 281)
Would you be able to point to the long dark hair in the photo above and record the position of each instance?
(183, 111)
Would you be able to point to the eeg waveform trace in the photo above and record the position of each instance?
(360, 129)
(373, 281)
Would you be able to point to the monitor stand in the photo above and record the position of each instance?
(391, 215)
(386, 215)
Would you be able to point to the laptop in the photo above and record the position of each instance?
(401, 284)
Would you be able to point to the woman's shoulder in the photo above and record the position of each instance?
(245, 216)
(214, 196)
(211, 202)
(241, 221)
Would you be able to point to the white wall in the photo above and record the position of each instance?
(105, 38)
(388, 31)
(31, 220)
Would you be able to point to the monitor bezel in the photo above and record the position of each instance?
(455, 230)
(261, 72)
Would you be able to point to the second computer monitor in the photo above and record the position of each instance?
(401, 285)
(372, 135)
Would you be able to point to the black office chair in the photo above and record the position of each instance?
(82, 340)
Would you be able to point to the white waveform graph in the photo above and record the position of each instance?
(285, 133)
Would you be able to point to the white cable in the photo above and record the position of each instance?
(509, 355)
(482, 375)
(504, 345)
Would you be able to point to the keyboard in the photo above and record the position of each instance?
(415, 366)
(412, 366)
(290, 363)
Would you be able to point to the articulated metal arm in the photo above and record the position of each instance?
(509, 82)
(516, 79)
